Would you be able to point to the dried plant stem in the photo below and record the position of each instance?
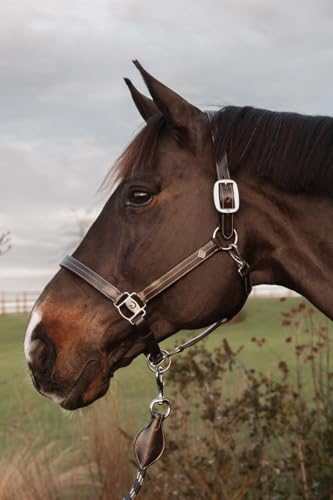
(313, 362)
(263, 476)
(328, 367)
(300, 454)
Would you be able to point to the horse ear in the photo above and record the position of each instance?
(146, 107)
(176, 109)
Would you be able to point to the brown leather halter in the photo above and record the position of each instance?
(132, 305)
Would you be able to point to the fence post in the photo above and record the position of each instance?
(25, 302)
(2, 303)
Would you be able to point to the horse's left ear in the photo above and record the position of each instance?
(175, 108)
(146, 107)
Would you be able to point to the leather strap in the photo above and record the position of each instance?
(141, 325)
(226, 193)
(152, 349)
(149, 443)
(165, 281)
(156, 287)
(179, 271)
(112, 293)
(107, 289)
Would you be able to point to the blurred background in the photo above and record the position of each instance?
(65, 117)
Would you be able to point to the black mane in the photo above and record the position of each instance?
(294, 151)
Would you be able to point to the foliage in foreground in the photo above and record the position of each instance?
(243, 434)
(272, 440)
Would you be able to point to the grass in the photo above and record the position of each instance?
(46, 456)
(24, 413)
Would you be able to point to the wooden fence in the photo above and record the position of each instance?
(17, 301)
(22, 301)
(269, 291)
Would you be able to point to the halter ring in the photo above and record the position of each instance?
(155, 367)
(231, 245)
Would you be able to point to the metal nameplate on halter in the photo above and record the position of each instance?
(222, 183)
(129, 307)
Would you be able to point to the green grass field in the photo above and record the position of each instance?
(25, 415)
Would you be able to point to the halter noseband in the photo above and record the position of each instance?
(132, 305)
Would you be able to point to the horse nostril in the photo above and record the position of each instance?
(42, 355)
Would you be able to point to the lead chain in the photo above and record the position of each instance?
(160, 399)
(157, 403)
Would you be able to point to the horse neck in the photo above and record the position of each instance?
(289, 239)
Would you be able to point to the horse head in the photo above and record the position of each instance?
(160, 234)
(160, 212)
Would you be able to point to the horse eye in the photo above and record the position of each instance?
(140, 198)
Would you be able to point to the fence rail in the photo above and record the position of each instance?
(22, 301)
(17, 301)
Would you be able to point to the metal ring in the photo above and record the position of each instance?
(231, 245)
(161, 402)
(154, 367)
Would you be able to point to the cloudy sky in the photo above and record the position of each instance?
(66, 113)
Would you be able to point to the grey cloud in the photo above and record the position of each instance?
(66, 114)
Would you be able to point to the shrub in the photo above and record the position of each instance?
(268, 438)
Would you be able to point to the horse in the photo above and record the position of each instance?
(162, 216)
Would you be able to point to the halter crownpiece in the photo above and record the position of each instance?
(131, 306)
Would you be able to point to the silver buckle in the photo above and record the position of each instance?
(217, 199)
(129, 303)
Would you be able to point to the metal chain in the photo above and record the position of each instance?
(188, 343)
(242, 266)
(159, 370)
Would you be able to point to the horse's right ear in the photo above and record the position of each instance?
(181, 114)
(146, 106)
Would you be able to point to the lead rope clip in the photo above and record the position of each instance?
(149, 443)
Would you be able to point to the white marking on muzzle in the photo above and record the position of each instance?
(54, 397)
(35, 319)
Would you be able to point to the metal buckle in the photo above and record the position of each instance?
(129, 307)
(217, 198)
